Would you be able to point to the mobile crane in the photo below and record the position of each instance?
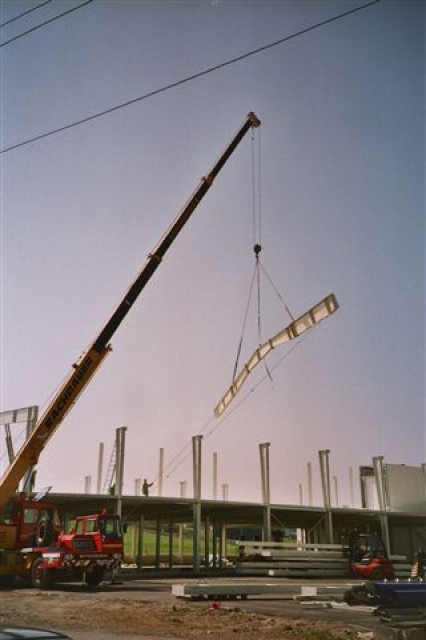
(31, 542)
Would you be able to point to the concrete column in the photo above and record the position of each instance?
(215, 546)
(223, 539)
(141, 527)
(336, 491)
(325, 481)
(196, 546)
(310, 494)
(134, 541)
(171, 544)
(196, 540)
(424, 480)
(196, 459)
(158, 544)
(381, 496)
(206, 542)
(264, 471)
(120, 440)
(215, 476)
(160, 473)
(378, 477)
(100, 468)
(351, 487)
(181, 543)
(87, 484)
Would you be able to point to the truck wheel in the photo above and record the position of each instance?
(41, 578)
(95, 577)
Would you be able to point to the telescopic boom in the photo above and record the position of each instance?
(90, 360)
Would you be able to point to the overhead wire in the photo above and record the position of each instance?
(187, 79)
(175, 460)
(24, 13)
(43, 24)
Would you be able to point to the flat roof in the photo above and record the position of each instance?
(181, 510)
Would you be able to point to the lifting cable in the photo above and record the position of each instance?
(257, 248)
(257, 233)
(207, 429)
(257, 223)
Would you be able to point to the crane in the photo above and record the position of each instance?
(89, 362)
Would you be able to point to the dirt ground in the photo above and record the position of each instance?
(124, 616)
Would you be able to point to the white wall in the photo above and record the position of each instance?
(405, 488)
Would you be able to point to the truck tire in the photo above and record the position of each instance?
(95, 577)
(41, 578)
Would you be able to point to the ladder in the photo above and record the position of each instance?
(112, 465)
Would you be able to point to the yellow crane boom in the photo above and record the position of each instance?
(88, 363)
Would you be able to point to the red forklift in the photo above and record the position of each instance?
(367, 555)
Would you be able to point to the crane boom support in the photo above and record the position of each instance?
(87, 365)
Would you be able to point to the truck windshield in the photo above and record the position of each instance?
(110, 526)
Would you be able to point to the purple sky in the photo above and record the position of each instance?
(342, 196)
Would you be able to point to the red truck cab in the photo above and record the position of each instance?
(29, 523)
(33, 545)
(99, 532)
(93, 547)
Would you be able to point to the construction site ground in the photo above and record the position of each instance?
(145, 608)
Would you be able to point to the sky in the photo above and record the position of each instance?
(331, 185)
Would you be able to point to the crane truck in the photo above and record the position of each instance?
(32, 543)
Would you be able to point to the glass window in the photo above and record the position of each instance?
(31, 516)
(110, 526)
(79, 527)
(91, 525)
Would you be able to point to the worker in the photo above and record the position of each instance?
(145, 487)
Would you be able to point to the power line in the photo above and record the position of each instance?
(178, 83)
(43, 24)
(25, 13)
